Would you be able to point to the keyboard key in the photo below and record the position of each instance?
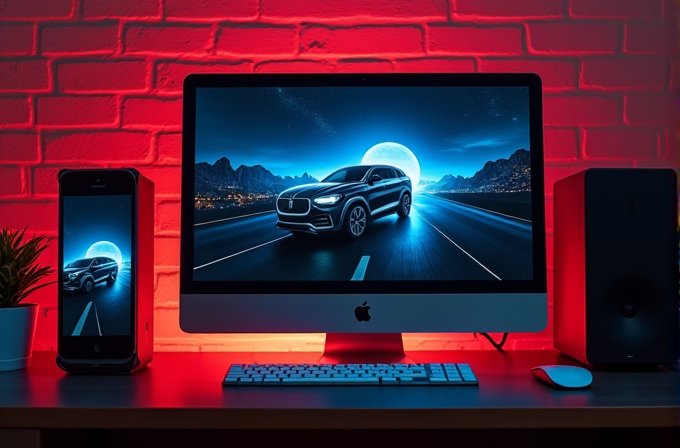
(331, 381)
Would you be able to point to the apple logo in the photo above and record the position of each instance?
(361, 313)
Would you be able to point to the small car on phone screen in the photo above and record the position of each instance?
(81, 275)
(345, 201)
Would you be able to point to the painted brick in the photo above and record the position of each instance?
(18, 147)
(362, 40)
(620, 144)
(16, 39)
(656, 109)
(166, 250)
(386, 9)
(363, 66)
(170, 75)
(152, 111)
(560, 144)
(675, 74)
(665, 160)
(296, 66)
(435, 65)
(99, 38)
(77, 110)
(669, 9)
(615, 8)
(466, 40)
(555, 75)
(141, 9)
(11, 181)
(628, 73)
(38, 216)
(581, 111)
(45, 180)
(166, 291)
(100, 77)
(671, 153)
(650, 37)
(15, 111)
(168, 40)
(576, 38)
(36, 9)
(507, 9)
(167, 216)
(166, 323)
(169, 148)
(168, 179)
(549, 230)
(24, 75)
(211, 10)
(249, 39)
(93, 147)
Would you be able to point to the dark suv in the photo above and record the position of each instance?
(82, 274)
(345, 200)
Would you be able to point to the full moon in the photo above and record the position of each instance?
(390, 153)
(105, 249)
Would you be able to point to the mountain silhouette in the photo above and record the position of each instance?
(221, 176)
(512, 174)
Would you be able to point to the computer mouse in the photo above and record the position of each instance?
(563, 377)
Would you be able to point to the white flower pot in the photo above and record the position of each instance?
(17, 328)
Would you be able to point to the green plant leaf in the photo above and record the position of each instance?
(19, 268)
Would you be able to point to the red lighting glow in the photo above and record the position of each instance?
(90, 83)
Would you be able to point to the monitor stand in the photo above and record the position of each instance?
(364, 348)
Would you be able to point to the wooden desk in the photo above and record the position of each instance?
(179, 400)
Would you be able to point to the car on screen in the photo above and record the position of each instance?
(81, 275)
(345, 201)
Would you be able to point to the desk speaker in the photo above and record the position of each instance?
(615, 283)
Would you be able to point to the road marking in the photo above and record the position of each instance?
(234, 217)
(242, 252)
(81, 321)
(454, 243)
(96, 315)
(361, 268)
(478, 208)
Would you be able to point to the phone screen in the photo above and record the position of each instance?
(97, 255)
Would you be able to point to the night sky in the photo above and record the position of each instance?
(89, 219)
(289, 131)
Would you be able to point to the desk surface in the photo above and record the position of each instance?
(183, 390)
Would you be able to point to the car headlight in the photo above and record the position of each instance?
(328, 200)
(72, 276)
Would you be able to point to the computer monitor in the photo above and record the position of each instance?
(362, 204)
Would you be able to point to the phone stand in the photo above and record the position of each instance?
(142, 270)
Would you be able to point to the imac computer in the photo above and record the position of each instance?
(362, 205)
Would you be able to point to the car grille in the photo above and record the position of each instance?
(321, 221)
(300, 206)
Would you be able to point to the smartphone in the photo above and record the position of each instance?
(103, 314)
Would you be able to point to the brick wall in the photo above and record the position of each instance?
(97, 83)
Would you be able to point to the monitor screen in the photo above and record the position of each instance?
(419, 193)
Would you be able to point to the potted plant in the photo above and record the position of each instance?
(19, 277)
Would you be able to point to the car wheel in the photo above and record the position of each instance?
(112, 278)
(404, 206)
(355, 222)
(87, 285)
